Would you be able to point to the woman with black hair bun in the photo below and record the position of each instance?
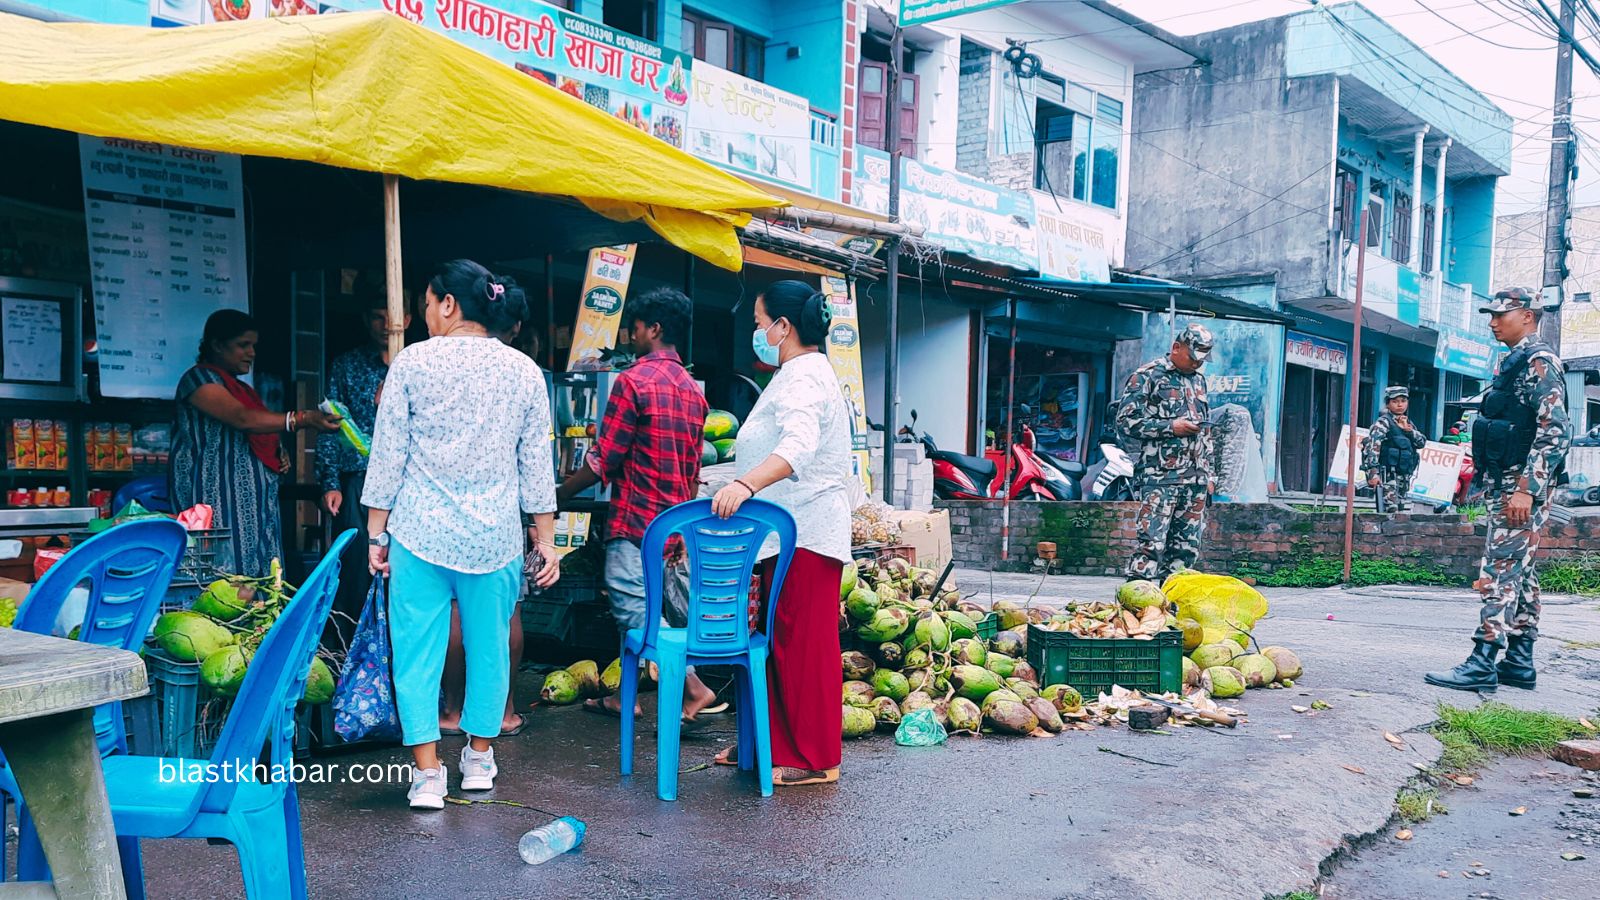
(461, 450)
(794, 450)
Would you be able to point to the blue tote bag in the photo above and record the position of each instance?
(363, 702)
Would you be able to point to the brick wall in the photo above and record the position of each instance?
(1097, 538)
(975, 96)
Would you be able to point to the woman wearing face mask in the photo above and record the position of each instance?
(794, 450)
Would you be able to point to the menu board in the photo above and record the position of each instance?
(31, 332)
(166, 249)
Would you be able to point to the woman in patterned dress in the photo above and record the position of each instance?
(225, 447)
(461, 450)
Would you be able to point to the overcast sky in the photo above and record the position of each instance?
(1462, 35)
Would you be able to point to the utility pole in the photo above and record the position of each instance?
(1355, 402)
(891, 361)
(1560, 196)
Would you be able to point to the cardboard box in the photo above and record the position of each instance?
(11, 589)
(929, 534)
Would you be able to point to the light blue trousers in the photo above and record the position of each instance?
(419, 628)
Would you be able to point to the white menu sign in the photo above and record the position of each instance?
(166, 246)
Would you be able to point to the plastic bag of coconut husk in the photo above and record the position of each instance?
(920, 729)
(1222, 604)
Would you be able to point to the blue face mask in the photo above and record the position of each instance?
(765, 352)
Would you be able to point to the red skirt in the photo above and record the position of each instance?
(806, 707)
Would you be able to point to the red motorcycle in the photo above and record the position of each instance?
(957, 476)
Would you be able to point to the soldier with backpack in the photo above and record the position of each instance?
(1391, 451)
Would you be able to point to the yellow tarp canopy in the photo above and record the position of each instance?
(366, 91)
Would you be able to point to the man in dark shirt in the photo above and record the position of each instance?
(648, 451)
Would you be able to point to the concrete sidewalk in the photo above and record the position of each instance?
(1204, 813)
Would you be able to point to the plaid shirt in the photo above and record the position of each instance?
(650, 442)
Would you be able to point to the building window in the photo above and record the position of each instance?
(1400, 242)
(633, 16)
(1107, 149)
(723, 45)
(1427, 238)
(1345, 186)
(873, 107)
(1376, 203)
(1052, 149)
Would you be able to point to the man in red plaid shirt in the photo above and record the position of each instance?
(648, 451)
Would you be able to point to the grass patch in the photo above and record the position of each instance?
(1327, 571)
(1297, 895)
(1580, 645)
(1419, 804)
(1461, 752)
(1506, 729)
(1474, 513)
(1573, 575)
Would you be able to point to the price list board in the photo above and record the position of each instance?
(167, 249)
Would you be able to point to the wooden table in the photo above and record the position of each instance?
(48, 691)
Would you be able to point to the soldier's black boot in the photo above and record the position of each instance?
(1517, 668)
(1476, 674)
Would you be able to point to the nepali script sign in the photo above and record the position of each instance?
(916, 12)
(956, 211)
(740, 124)
(1438, 468)
(639, 82)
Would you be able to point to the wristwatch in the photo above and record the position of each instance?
(382, 540)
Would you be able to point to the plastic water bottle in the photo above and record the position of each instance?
(550, 841)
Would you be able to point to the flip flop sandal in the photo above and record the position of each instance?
(785, 776)
(731, 759)
(715, 710)
(599, 707)
(522, 722)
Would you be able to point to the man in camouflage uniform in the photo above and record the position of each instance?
(1389, 451)
(1519, 444)
(1165, 413)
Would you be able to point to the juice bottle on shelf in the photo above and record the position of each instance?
(105, 451)
(61, 445)
(61, 497)
(43, 497)
(24, 450)
(44, 444)
(122, 448)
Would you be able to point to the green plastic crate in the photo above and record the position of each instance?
(1094, 665)
(988, 627)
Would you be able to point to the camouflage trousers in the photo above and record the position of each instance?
(1170, 522)
(1506, 578)
(1395, 487)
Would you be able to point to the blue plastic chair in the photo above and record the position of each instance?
(722, 554)
(128, 569)
(261, 819)
(150, 490)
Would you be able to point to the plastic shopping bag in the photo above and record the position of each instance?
(363, 702)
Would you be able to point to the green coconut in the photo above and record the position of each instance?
(587, 671)
(890, 655)
(885, 713)
(891, 684)
(1049, 717)
(1063, 697)
(1024, 671)
(1022, 688)
(1258, 670)
(223, 671)
(1011, 643)
(973, 682)
(858, 721)
(857, 665)
(920, 679)
(561, 688)
(968, 652)
(1194, 634)
(914, 701)
(1010, 717)
(611, 678)
(964, 715)
(1138, 596)
(858, 693)
(319, 684)
(885, 625)
(1191, 673)
(932, 632)
(224, 600)
(1218, 654)
(1285, 661)
(848, 579)
(1000, 664)
(1004, 694)
(861, 603)
(189, 636)
(1222, 682)
(1010, 614)
(960, 624)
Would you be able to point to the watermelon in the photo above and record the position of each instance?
(724, 449)
(708, 454)
(721, 424)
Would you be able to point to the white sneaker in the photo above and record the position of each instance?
(429, 787)
(478, 770)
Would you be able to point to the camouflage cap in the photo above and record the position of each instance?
(1512, 299)
(1396, 390)
(1198, 338)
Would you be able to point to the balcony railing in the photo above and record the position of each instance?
(824, 129)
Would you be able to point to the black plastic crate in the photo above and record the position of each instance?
(547, 615)
(1094, 665)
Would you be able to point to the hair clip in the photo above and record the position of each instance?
(495, 290)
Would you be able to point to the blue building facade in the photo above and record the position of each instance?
(1255, 175)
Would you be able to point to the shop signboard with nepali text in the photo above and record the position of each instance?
(956, 211)
(1438, 468)
(751, 128)
(1472, 354)
(642, 83)
(1071, 246)
(844, 351)
(1323, 354)
(917, 12)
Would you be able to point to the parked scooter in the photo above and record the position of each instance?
(1113, 479)
(957, 476)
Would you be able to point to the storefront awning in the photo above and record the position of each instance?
(1154, 296)
(372, 92)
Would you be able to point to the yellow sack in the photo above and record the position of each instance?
(1215, 601)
